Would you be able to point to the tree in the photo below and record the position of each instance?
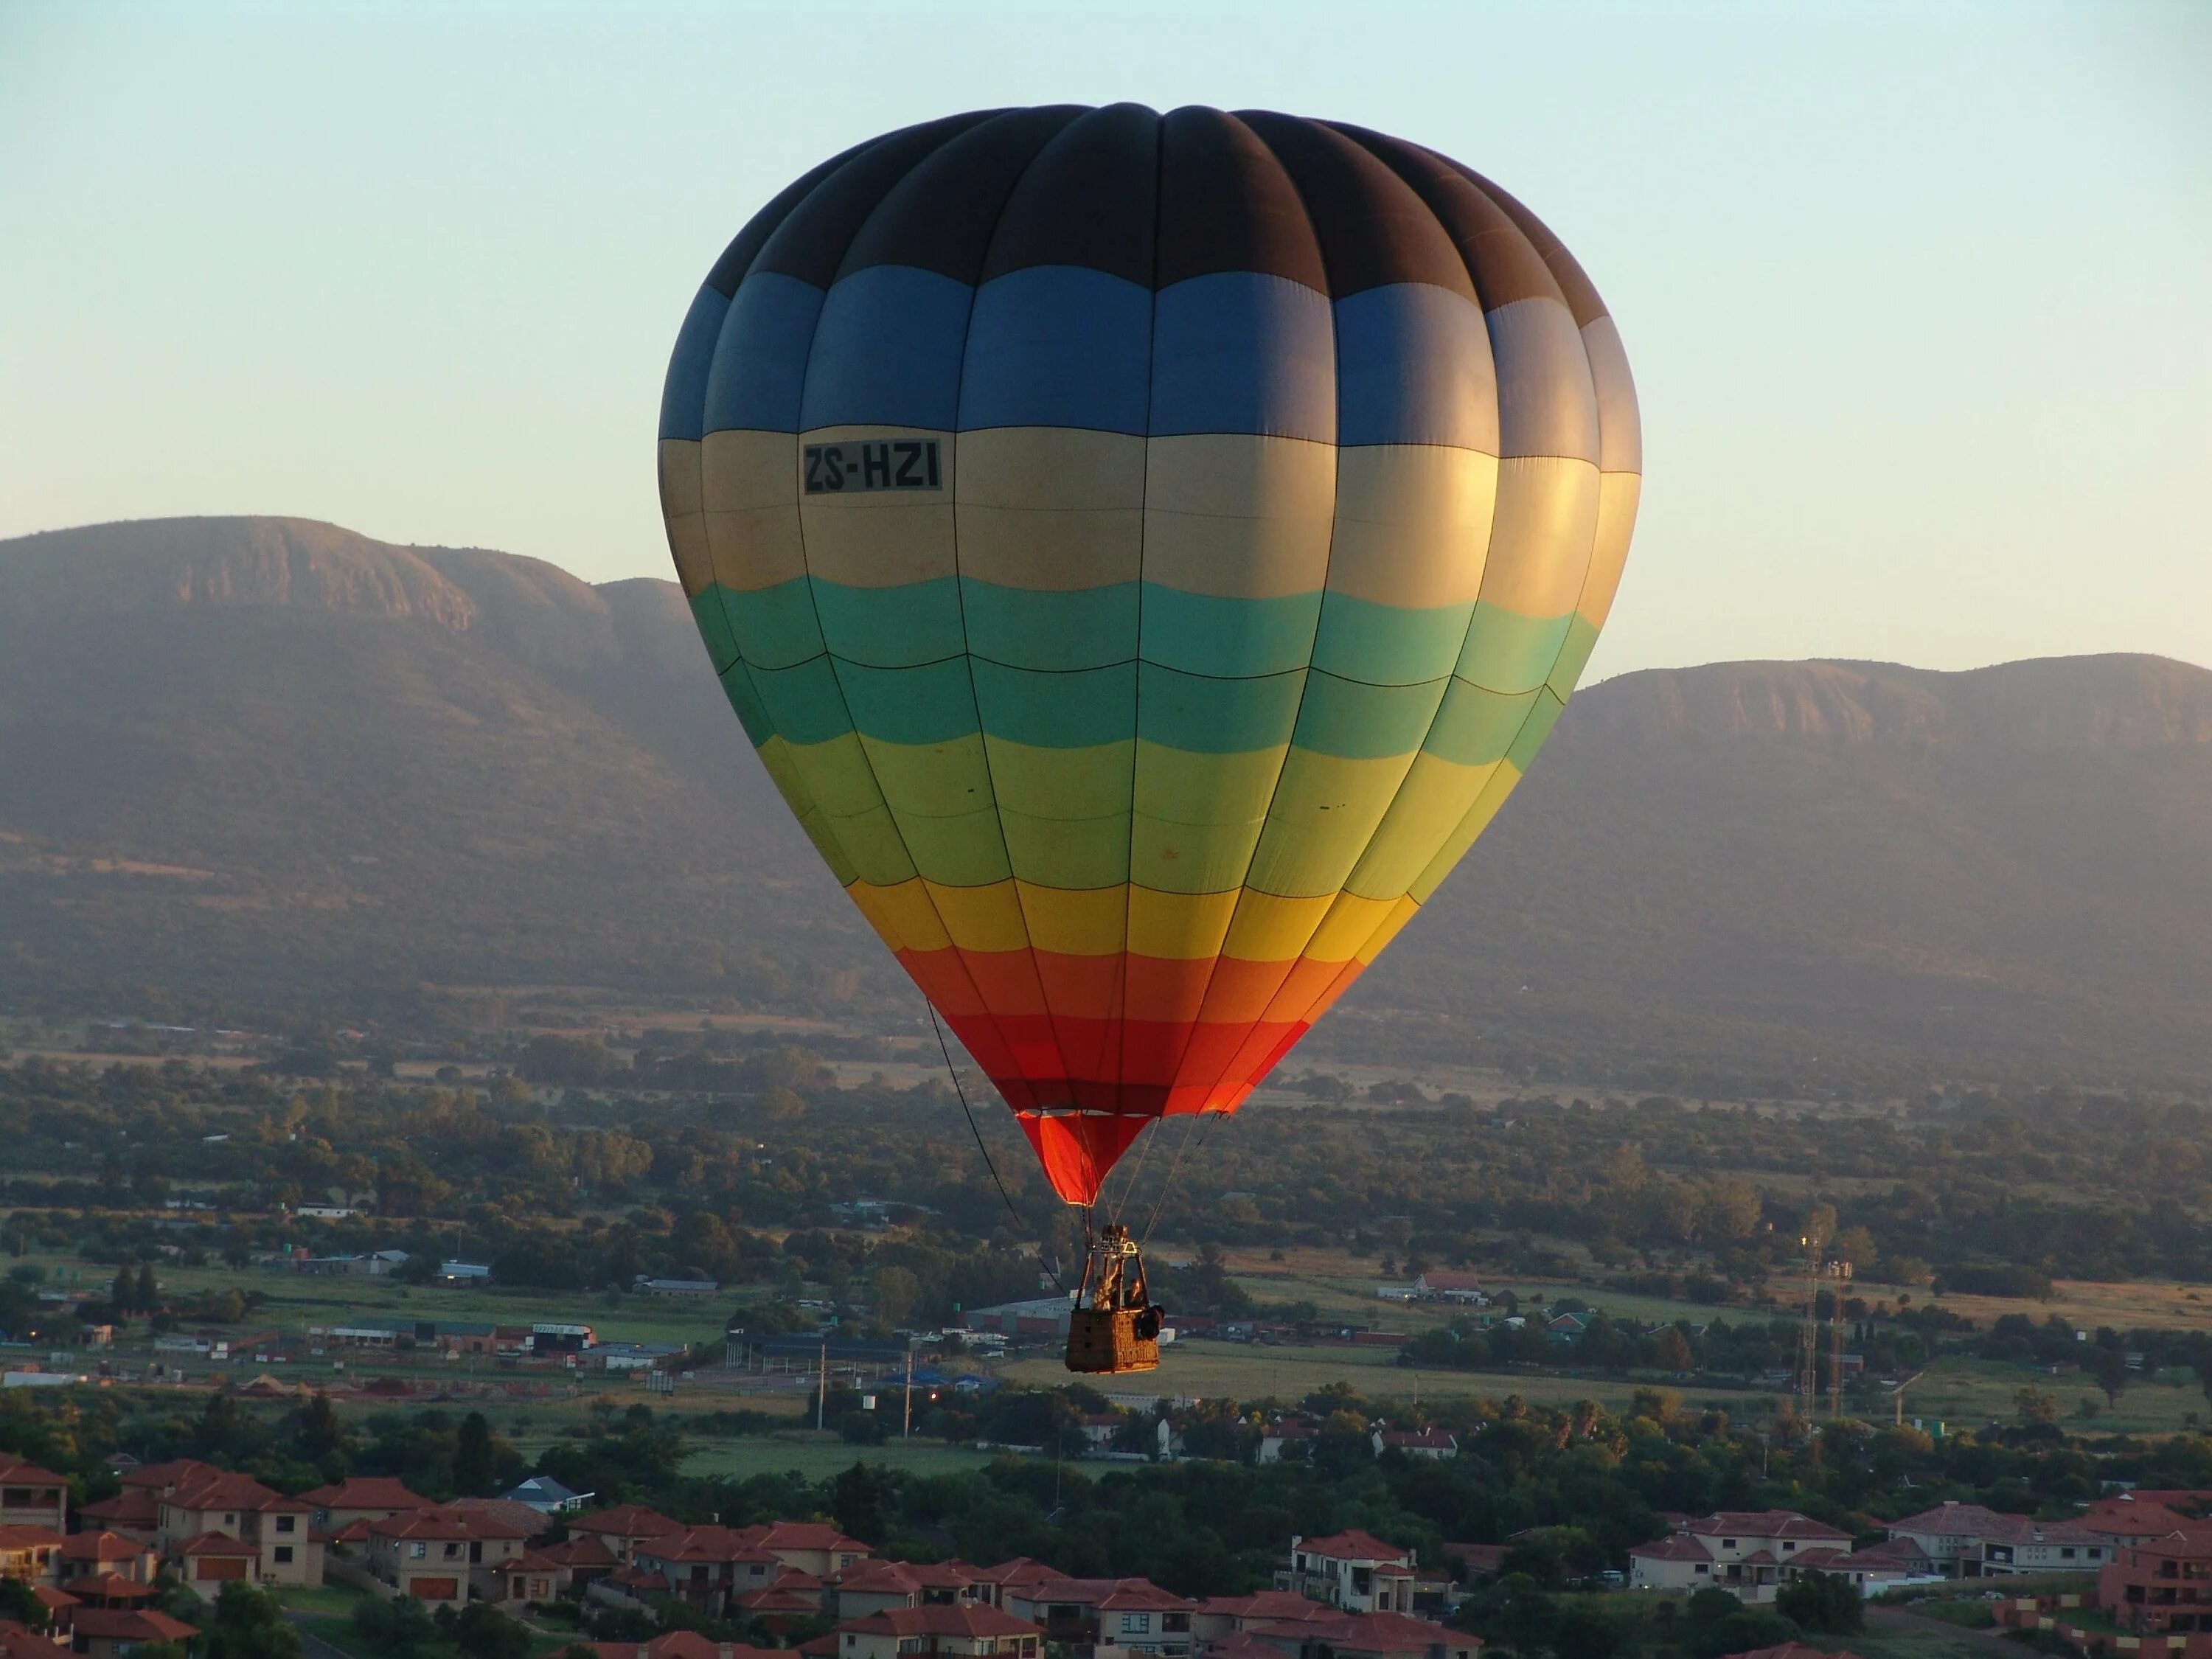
(2037, 1409)
(17, 1602)
(248, 1623)
(147, 1296)
(2111, 1372)
(483, 1632)
(125, 1295)
(1821, 1602)
(475, 1459)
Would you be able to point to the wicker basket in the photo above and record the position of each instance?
(1103, 1341)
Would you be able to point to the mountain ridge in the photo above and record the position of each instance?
(275, 760)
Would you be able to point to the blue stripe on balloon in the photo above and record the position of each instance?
(776, 627)
(1237, 352)
(1057, 711)
(1059, 631)
(1414, 367)
(887, 351)
(759, 367)
(1059, 345)
(805, 704)
(897, 627)
(932, 704)
(684, 393)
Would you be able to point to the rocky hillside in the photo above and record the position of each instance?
(258, 761)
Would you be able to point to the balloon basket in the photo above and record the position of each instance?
(1115, 1325)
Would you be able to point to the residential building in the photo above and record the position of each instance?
(809, 1546)
(678, 1287)
(275, 1527)
(1213, 1620)
(361, 1497)
(442, 1553)
(968, 1631)
(88, 1555)
(1365, 1636)
(1128, 1613)
(2162, 1585)
(1966, 1541)
(30, 1554)
(707, 1568)
(1432, 1443)
(682, 1644)
(871, 1586)
(112, 1632)
(30, 1496)
(529, 1576)
(585, 1558)
(622, 1527)
(1750, 1551)
(1354, 1572)
(209, 1560)
(547, 1495)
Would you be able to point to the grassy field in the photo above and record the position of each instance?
(1214, 1370)
(1965, 1393)
(816, 1456)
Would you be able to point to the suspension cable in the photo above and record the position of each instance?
(1021, 1223)
(1167, 1182)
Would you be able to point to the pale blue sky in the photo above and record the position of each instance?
(1918, 298)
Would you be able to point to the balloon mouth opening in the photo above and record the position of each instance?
(1076, 1148)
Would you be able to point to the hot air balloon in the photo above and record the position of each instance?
(1144, 550)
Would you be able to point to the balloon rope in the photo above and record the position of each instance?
(1167, 1185)
(1136, 1174)
(953, 1072)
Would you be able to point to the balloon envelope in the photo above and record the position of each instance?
(1144, 550)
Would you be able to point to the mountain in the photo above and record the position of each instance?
(270, 764)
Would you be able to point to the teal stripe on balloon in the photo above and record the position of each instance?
(774, 626)
(803, 702)
(752, 713)
(928, 704)
(1574, 657)
(1201, 634)
(714, 623)
(1475, 727)
(1505, 652)
(1201, 715)
(1354, 721)
(1388, 644)
(1541, 719)
(1025, 628)
(1057, 711)
(898, 627)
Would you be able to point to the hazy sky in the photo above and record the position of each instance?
(1916, 296)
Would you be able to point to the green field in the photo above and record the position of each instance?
(1215, 1370)
(818, 1456)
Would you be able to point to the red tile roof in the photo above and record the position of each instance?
(447, 1520)
(366, 1491)
(1383, 1633)
(1767, 1523)
(136, 1508)
(1272, 1606)
(625, 1521)
(30, 1538)
(130, 1625)
(708, 1543)
(101, 1546)
(113, 1587)
(21, 1472)
(1674, 1546)
(1353, 1545)
(215, 1543)
(957, 1619)
(218, 1490)
(804, 1535)
(161, 1476)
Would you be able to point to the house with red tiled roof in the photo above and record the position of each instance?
(2162, 1587)
(874, 1586)
(1433, 1444)
(30, 1496)
(111, 1589)
(623, 1526)
(91, 1554)
(585, 1558)
(709, 1568)
(1967, 1541)
(968, 1631)
(205, 1500)
(682, 1644)
(111, 1633)
(1354, 1572)
(440, 1555)
(1128, 1613)
(361, 1498)
(134, 1512)
(1367, 1636)
(529, 1576)
(30, 1552)
(991, 1581)
(807, 1546)
(1751, 1553)
(2126, 1521)
(1217, 1618)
